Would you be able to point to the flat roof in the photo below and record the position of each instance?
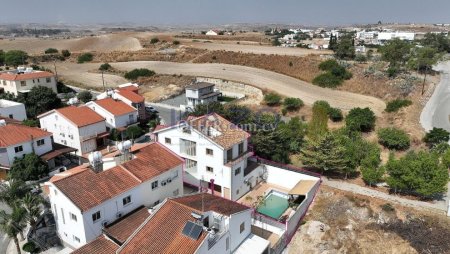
(7, 103)
(303, 187)
(199, 85)
(252, 244)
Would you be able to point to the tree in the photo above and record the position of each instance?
(393, 138)
(423, 60)
(154, 40)
(176, 42)
(318, 125)
(327, 79)
(436, 136)
(13, 190)
(28, 168)
(372, 175)
(440, 42)
(84, 96)
(114, 134)
(12, 224)
(345, 48)
(446, 158)
(360, 119)
(333, 42)
(136, 73)
(272, 99)
(2, 57)
(51, 51)
(276, 42)
(208, 108)
(15, 57)
(32, 206)
(238, 114)
(325, 153)
(292, 104)
(65, 53)
(105, 67)
(396, 52)
(328, 65)
(86, 57)
(40, 99)
(335, 114)
(395, 105)
(133, 131)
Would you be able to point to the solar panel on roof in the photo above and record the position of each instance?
(192, 230)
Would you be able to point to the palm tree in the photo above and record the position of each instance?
(12, 191)
(13, 224)
(32, 205)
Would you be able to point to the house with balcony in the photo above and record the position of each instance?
(118, 115)
(201, 93)
(196, 223)
(89, 200)
(77, 127)
(22, 80)
(13, 110)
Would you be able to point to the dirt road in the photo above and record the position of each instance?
(282, 84)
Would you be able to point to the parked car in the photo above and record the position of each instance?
(151, 109)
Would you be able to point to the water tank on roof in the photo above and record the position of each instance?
(95, 157)
(21, 69)
(124, 146)
(29, 69)
(2, 122)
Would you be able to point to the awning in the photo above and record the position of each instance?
(58, 150)
(103, 135)
(302, 187)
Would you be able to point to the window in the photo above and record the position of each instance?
(62, 215)
(11, 116)
(156, 203)
(241, 148)
(73, 217)
(23, 83)
(4, 83)
(38, 80)
(237, 171)
(188, 147)
(48, 80)
(96, 216)
(209, 169)
(33, 81)
(242, 227)
(229, 154)
(191, 165)
(126, 200)
(209, 151)
(176, 192)
(237, 192)
(40, 142)
(154, 185)
(76, 239)
(168, 141)
(18, 149)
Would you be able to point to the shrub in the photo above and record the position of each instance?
(393, 138)
(51, 51)
(446, 158)
(372, 175)
(392, 71)
(176, 42)
(328, 65)
(327, 80)
(105, 67)
(30, 247)
(86, 57)
(65, 53)
(15, 57)
(436, 136)
(360, 119)
(341, 72)
(387, 207)
(293, 104)
(154, 40)
(335, 114)
(324, 104)
(395, 105)
(272, 99)
(136, 73)
(84, 96)
(134, 131)
(360, 58)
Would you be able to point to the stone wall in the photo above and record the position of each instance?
(230, 88)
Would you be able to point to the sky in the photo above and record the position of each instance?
(216, 12)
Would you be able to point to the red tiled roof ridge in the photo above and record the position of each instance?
(131, 174)
(77, 170)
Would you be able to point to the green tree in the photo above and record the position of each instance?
(395, 105)
(237, 114)
(318, 125)
(32, 204)
(345, 48)
(86, 57)
(134, 131)
(176, 42)
(154, 40)
(136, 73)
(105, 67)
(325, 154)
(436, 136)
(360, 119)
(276, 42)
(328, 65)
(12, 224)
(2, 57)
(446, 158)
(12, 191)
(272, 99)
(114, 134)
(40, 99)
(84, 96)
(423, 60)
(335, 115)
(212, 107)
(28, 168)
(15, 57)
(396, 52)
(393, 138)
(327, 79)
(65, 53)
(293, 104)
(437, 41)
(371, 175)
(51, 51)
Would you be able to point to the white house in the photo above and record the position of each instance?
(387, 36)
(201, 93)
(23, 79)
(118, 114)
(197, 223)
(212, 32)
(16, 140)
(13, 110)
(84, 200)
(76, 127)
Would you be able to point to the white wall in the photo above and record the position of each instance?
(27, 148)
(16, 86)
(113, 121)
(285, 178)
(14, 109)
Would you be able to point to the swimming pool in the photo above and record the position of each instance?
(275, 204)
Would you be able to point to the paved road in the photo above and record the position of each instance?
(436, 206)
(280, 83)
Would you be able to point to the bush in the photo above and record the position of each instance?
(51, 51)
(15, 57)
(272, 99)
(323, 104)
(341, 72)
(134, 132)
(436, 136)
(388, 207)
(105, 67)
(293, 104)
(446, 158)
(30, 167)
(395, 105)
(327, 80)
(136, 73)
(328, 65)
(335, 114)
(176, 42)
(154, 40)
(65, 53)
(360, 58)
(360, 119)
(372, 175)
(84, 96)
(393, 138)
(392, 72)
(30, 247)
(86, 57)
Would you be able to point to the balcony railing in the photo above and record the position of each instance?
(239, 158)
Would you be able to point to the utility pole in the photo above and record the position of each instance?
(103, 81)
(56, 72)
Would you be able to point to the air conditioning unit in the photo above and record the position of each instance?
(118, 215)
(163, 183)
(104, 223)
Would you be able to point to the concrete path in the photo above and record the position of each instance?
(436, 206)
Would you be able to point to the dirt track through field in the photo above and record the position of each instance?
(282, 84)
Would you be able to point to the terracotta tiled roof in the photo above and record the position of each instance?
(10, 120)
(129, 88)
(162, 233)
(80, 116)
(12, 134)
(151, 161)
(229, 134)
(115, 107)
(101, 245)
(122, 229)
(211, 203)
(130, 95)
(87, 189)
(25, 76)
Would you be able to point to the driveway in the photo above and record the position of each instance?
(263, 79)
